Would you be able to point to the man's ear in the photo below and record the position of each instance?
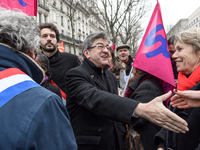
(86, 53)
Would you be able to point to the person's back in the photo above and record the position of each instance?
(31, 117)
(33, 123)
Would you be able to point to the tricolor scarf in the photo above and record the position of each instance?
(13, 82)
(185, 83)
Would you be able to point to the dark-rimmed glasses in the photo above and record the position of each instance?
(100, 47)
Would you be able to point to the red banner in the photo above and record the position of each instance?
(61, 47)
(27, 6)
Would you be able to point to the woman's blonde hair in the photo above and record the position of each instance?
(190, 36)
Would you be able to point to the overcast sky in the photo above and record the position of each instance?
(174, 10)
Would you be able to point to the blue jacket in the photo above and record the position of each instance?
(34, 119)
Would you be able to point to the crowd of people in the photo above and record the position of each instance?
(49, 100)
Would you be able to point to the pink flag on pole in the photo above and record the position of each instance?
(113, 47)
(153, 54)
(27, 6)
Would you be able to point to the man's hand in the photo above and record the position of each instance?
(157, 113)
(186, 99)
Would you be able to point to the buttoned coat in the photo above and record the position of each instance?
(97, 113)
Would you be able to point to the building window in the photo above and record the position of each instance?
(70, 49)
(45, 19)
(68, 23)
(40, 17)
(61, 6)
(68, 10)
(54, 17)
(54, 3)
(62, 21)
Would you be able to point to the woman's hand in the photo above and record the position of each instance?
(186, 99)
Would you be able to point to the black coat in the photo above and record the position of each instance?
(60, 63)
(52, 88)
(188, 141)
(129, 65)
(145, 88)
(96, 109)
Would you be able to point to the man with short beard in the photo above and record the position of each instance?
(60, 63)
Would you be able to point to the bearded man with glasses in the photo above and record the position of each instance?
(98, 114)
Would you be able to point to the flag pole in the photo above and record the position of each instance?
(126, 85)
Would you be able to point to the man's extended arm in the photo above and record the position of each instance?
(157, 113)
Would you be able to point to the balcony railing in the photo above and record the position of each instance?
(44, 6)
(67, 38)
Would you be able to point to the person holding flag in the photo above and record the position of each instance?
(153, 54)
(153, 74)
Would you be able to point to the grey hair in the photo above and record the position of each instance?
(92, 37)
(190, 36)
(18, 31)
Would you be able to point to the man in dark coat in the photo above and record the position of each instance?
(31, 117)
(97, 113)
(60, 63)
(123, 54)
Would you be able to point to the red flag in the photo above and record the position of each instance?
(27, 6)
(113, 47)
(61, 91)
(61, 47)
(153, 53)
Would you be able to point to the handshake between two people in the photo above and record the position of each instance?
(157, 113)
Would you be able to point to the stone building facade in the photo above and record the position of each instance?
(183, 24)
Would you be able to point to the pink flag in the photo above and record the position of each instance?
(27, 6)
(153, 53)
(113, 47)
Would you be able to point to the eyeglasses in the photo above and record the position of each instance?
(100, 47)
